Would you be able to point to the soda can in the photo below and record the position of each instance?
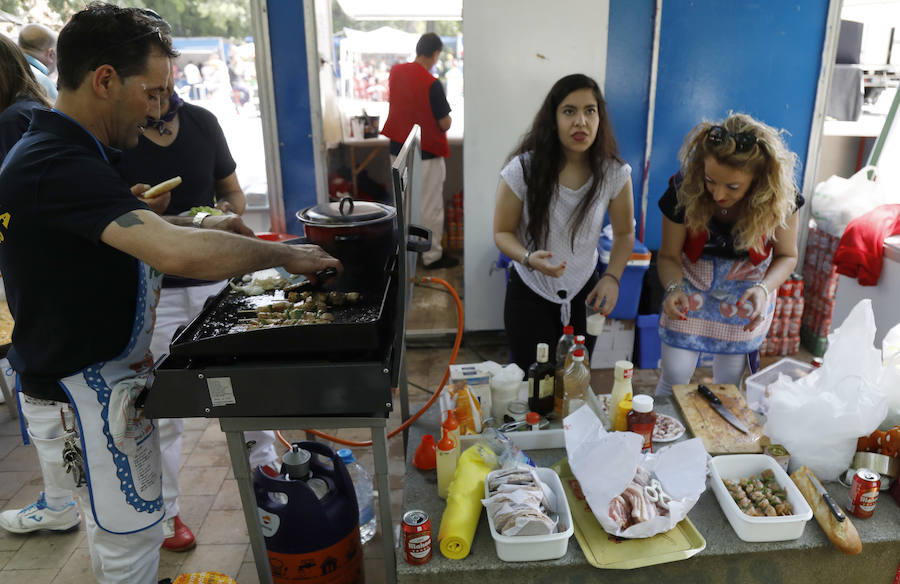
(775, 329)
(416, 537)
(798, 285)
(798, 306)
(793, 327)
(779, 307)
(775, 347)
(864, 492)
(795, 345)
(786, 289)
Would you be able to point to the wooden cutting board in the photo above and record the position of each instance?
(719, 437)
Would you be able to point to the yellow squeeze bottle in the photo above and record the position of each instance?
(621, 420)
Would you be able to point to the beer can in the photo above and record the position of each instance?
(779, 307)
(864, 492)
(775, 329)
(793, 327)
(416, 537)
(798, 285)
(798, 307)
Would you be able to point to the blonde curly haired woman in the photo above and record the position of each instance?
(729, 240)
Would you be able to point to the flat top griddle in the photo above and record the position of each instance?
(215, 332)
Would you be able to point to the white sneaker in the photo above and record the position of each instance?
(39, 516)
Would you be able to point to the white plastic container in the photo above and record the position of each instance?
(758, 383)
(739, 466)
(532, 548)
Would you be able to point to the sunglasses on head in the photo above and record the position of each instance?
(743, 141)
(153, 31)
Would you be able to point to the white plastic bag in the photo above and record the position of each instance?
(890, 376)
(605, 463)
(838, 200)
(818, 418)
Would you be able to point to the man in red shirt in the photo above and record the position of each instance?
(417, 97)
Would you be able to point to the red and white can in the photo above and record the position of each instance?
(864, 492)
(798, 308)
(416, 537)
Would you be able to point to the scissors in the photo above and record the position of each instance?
(655, 493)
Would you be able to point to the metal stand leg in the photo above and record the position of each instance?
(403, 390)
(379, 450)
(241, 466)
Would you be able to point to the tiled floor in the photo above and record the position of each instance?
(209, 500)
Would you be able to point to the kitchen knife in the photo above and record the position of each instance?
(835, 510)
(717, 405)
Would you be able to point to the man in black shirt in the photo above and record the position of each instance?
(82, 260)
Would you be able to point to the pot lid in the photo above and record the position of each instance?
(346, 212)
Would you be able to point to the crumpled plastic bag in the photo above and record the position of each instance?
(890, 377)
(818, 418)
(839, 200)
(605, 464)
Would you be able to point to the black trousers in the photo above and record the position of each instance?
(530, 319)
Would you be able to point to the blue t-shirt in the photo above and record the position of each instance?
(72, 296)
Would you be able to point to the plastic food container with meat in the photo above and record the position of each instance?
(530, 548)
(749, 528)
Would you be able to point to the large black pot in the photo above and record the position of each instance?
(363, 235)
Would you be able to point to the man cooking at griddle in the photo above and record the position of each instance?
(82, 260)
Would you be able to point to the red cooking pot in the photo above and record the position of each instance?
(362, 234)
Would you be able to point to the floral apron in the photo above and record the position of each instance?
(715, 322)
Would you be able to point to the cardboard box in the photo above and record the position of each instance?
(614, 344)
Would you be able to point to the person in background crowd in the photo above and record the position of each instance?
(237, 81)
(729, 240)
(194, 80)
(82, 362)
(417, 97)
(553, 195)
(39, 45)
(19, 94)
(186, 141)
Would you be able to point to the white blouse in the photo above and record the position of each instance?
(580, 261)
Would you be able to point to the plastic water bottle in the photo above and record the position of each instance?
(362, 484)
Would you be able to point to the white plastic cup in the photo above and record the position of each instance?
(595, 321)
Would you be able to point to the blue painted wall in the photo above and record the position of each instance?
(289, 71)
(628, 81)
(761, 58)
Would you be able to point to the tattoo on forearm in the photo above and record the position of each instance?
(129, 219)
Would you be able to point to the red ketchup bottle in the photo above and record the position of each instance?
(642, 419)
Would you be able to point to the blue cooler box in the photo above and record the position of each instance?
(632, 279)
(647, 347)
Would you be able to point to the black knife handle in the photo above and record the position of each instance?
(708, 394)
(835, 510)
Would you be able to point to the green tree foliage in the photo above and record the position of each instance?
(223, 18)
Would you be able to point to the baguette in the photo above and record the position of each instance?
(162, 188)
(841, 533)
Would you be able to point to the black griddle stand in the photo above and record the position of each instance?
(263, 394)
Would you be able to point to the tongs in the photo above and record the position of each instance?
(322, 276)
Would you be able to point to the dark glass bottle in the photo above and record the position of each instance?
(541, 382)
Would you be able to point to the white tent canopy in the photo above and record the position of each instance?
(382, 40)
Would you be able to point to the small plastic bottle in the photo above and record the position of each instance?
(642, 419)
(452, 426)
(579, 344)
(563, 348)
(362, 484)
(541, 380)
(620, 422)
(447, 457)
(575, 381)
(621, 389)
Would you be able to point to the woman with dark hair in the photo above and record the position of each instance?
(19, 94)
(729, 240)
(553, 195)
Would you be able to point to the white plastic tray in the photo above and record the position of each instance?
(531, 548)
(739, 466)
